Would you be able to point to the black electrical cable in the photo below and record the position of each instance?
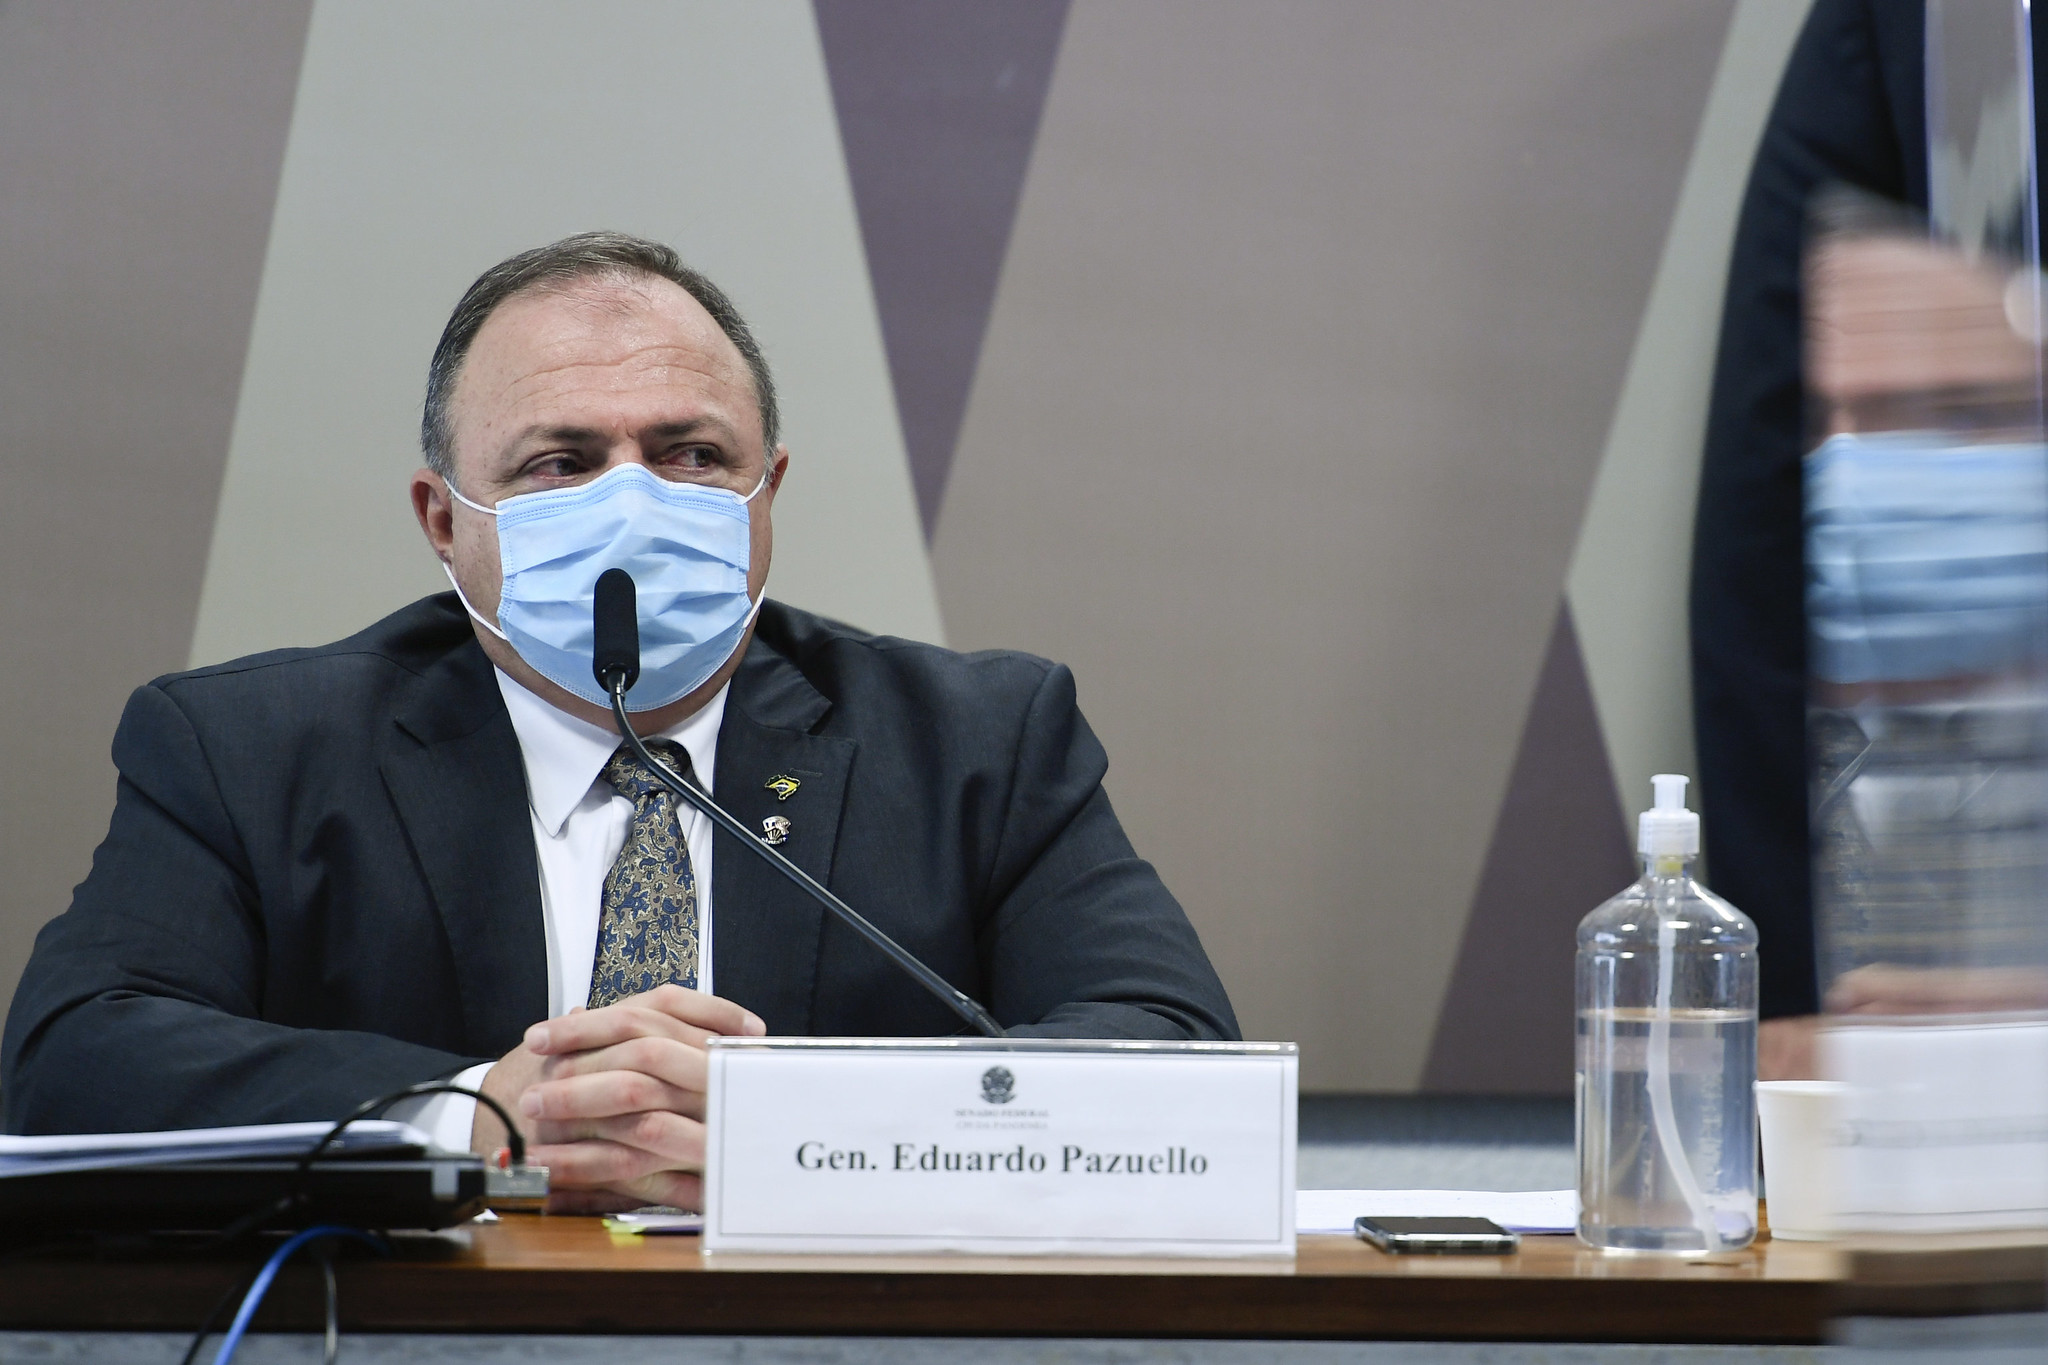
(266, 1278)
(237, 1290)
(332, 1346)
(256, 1217)
(297, 1194)
(370, 1108)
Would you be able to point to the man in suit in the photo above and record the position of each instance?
(423, 853)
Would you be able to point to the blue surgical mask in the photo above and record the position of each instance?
(1925, 557)
(687, 547)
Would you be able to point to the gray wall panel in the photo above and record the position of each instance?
(1628, 578)
(139, 151)
(1299, 372)
(1559, 848)
(430, 141)
(938, 104)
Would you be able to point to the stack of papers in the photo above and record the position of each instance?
(104, 1151)
(1534, 1211)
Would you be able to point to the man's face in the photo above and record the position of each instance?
(560, 387)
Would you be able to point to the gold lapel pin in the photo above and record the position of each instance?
(783, 785)
(774, 829)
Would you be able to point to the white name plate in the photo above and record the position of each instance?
(1021, 1146)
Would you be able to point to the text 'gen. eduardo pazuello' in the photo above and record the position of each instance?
(1018, 1160)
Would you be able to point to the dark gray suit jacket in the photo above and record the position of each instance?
(320, 881)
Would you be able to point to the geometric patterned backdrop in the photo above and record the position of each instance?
(1324, 381)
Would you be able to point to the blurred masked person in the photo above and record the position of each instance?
(1849, 110)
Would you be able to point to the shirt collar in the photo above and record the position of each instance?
(564, 755)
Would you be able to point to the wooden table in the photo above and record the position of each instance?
(568, 1275)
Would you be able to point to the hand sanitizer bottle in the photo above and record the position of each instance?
(1667, 1055)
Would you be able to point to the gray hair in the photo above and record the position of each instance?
(587, 255)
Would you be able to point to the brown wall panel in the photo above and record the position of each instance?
(139, 154)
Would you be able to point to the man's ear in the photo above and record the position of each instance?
(778, 465)
(431, 505)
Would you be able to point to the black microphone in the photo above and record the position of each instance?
(615, 660)
(615, 630)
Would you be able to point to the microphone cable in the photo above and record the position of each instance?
(260, 1286)
(515, 1148)
(615, 663)
(252, 1294)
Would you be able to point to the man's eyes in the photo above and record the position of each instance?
(558, 466)
(694, 456)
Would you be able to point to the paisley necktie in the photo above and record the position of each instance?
(647, 927)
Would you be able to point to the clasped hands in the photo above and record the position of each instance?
(611, 1100)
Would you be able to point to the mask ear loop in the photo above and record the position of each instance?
(489, 626)
(756, 610)
(456, 493)
(474, 615)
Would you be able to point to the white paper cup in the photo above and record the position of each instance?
(1798, 1120)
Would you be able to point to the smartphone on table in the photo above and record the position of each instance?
(1438, 1236)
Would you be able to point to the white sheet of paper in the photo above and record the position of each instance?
(1533, 1211)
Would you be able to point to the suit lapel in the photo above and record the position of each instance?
(455, 776)
(765, 931)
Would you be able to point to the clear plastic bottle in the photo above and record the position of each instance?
(1667, 1055)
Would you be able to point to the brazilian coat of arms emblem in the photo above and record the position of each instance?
(998, 1086)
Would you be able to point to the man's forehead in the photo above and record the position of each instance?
(609, 332)
(592, 320)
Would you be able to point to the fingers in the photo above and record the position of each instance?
(600, 1161)
(667, 1011)
(592, 1201)
(608, 1027)
(667, 1142)
(678, 1062)
(672, 1188)
(678, 1189)
(620, 1090)
(711, 1012)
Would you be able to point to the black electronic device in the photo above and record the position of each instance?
(229, 1182)
(615, 661)
(393, 1189)
(1438, 1236)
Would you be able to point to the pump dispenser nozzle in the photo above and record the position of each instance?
(1668, 830)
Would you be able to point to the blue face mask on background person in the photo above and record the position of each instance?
(1926, 557)
(687, 547)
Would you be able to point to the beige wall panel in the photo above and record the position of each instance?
(429, 141)
(139, 152)
(1629, 575)
(1297, 377)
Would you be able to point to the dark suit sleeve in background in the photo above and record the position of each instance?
(1849, 110)
(143, 1006)
(1084, 940)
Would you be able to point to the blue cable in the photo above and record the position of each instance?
(261, 1286)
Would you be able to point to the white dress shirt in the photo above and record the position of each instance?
(579, 826)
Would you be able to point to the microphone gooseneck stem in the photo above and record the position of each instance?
(954, 999)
